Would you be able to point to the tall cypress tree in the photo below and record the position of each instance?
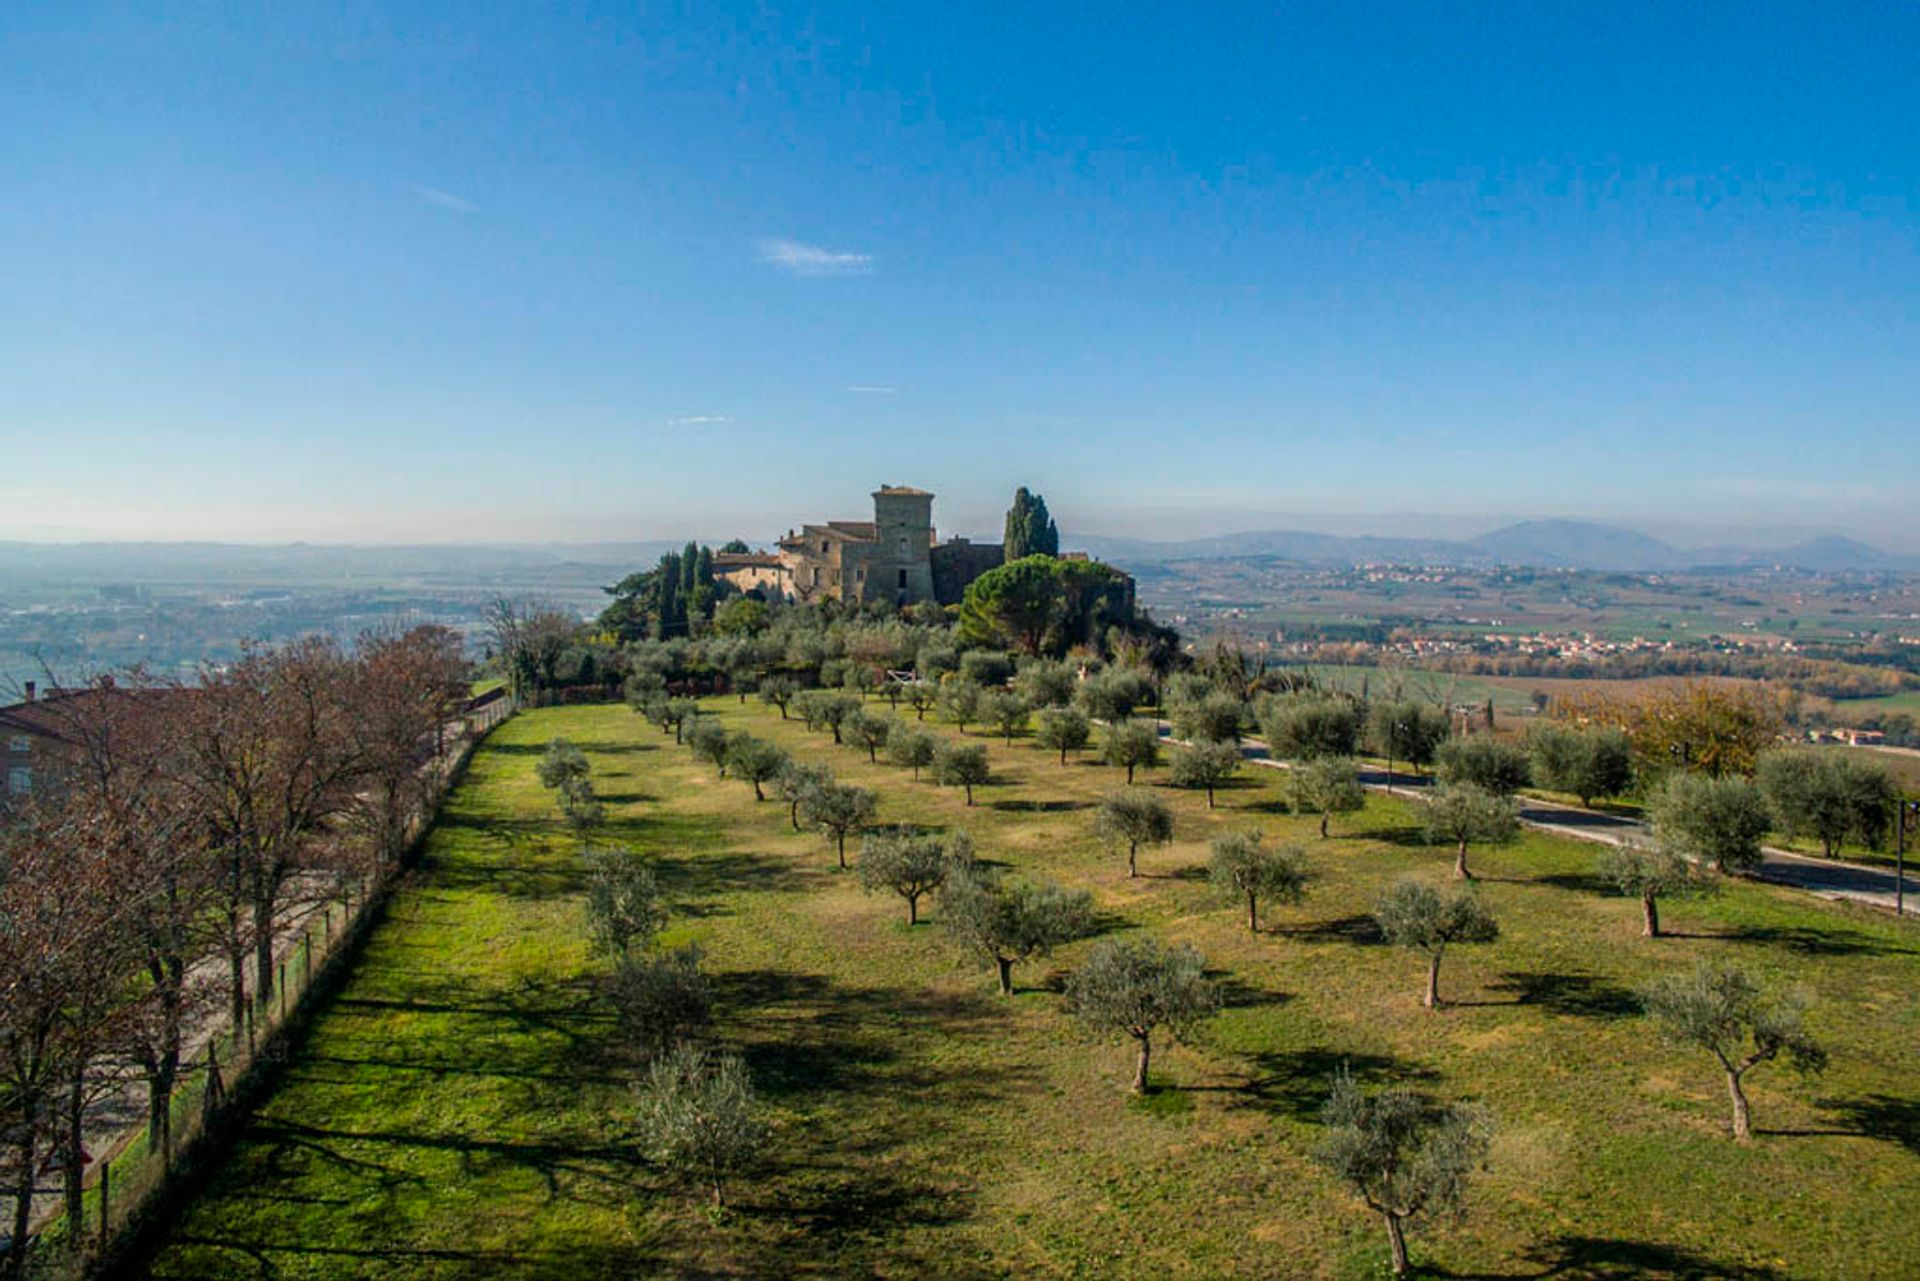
(689, 570)
(1030, 529)
(667, 609)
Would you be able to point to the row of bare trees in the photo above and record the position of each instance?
(178, 829)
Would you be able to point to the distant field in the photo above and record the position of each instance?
(1906, 701)
(1512, 695)
(462, 1109)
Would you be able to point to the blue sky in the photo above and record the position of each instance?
(363, 272)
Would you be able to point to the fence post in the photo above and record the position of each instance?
(106, 1205)
(283, 989)
(306, 953)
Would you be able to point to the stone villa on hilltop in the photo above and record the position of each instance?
(892, 557)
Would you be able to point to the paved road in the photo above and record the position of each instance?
(1829, 877)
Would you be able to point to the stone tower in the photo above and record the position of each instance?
(903, 553)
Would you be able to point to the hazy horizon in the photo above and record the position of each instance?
(1149, 526)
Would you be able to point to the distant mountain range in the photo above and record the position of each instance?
(1542, 544)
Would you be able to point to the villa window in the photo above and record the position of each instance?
(20, 781)
(903, 580)
(20, 743)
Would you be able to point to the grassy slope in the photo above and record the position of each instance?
(459, 1111)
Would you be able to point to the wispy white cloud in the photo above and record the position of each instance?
(445, 199)
(699, 420)
(797, 258)
(867, 390)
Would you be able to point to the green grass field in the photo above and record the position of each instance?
(461, 1110)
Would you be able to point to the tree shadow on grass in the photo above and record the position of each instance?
(1879, 1116)
(553, 1161)
(691, 880)
(1191, 872)
(1038, 807)
(1617, 1259)
(1401, 835)
(839, 1039)
(1578, 882)
(1237, 994)
(1358, 928)
(1572, 994)
(856, 1217)
(1297, 1082)
(404, 1260)
(535, 879)
(1807, 941)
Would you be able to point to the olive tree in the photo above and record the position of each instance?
(625, 907)
(1045, 683)
(1404, 730)
(756, 761)
(681, 714)
(1485, 762)
(986, 668)
(795, 782)
(912, 748)
(911, 864)
(1326, 785)
(1651, 873)
(1005, 924)
(1243, 868)
(838, 810)
(1111, 696)
(868, 732)
(1206, 766)
(1211, 718)
(1132, 987)
(922, 696)
(778, 691)
(1714, 820)
(1308, 726)
(1131, 745)
(1005, 711)
(1133, 817)
(1722, 1010)
(1462, 813)
(661, 1000)
(709, 741)
(833, 711)
(1830, 795)
(561, 764)
(699, 1117)
(960, 703)
(1063, 730)
(956, 765)
(1403, 1156)
(1414, 915)
(1581, 761)
(580, 807)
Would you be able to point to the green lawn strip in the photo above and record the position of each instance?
(459, 1110)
